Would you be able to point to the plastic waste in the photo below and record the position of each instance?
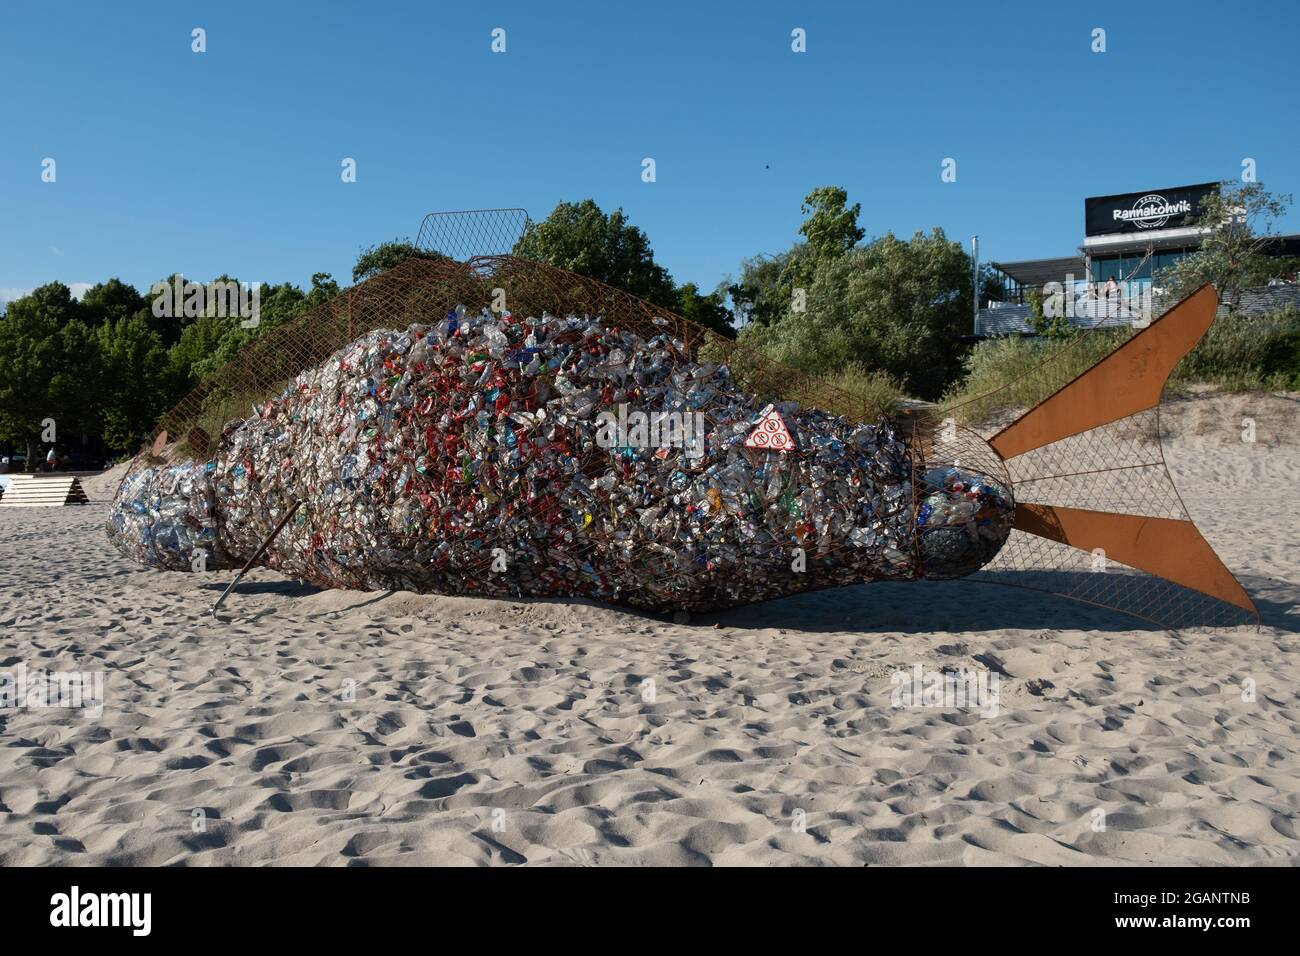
(556, 457)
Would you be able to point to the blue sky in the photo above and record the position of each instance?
(229, 161)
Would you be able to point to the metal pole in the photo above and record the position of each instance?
(975, 282)
(260, 551)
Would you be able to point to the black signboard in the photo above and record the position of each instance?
(1141, 212)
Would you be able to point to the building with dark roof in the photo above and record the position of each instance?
(1129, 239)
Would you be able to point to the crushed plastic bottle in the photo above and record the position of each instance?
(556, 457)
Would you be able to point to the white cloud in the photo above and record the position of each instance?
(8, 295)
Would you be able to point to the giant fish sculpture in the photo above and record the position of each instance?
(566, 457)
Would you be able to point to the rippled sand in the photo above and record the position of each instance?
(322, 727)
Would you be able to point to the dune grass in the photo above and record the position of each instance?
(1242, 354)
(1237, 354)
(1013, 372)
(873, 386)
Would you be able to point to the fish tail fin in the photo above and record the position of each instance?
(1065, 451)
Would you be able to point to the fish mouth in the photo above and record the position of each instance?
(166, 517)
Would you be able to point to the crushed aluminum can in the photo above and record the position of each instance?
(556, 457)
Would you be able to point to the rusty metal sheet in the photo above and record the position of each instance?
(1170, 549)
(1127, 381)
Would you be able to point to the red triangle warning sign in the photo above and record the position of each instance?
(770, 434)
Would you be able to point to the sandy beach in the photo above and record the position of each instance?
(347, 728)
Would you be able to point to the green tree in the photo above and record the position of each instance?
(53, 300)
(133, 380)
(104, 366)
(1234, 253)
(30, 356)
(890, 305)
(74, 394)
(278, 304)
(48, 370)
(709, 310)
(581, 238)
(991, 287)
(323, 288)
(169, 323)
(831, 228)
(1049, 327)
(193, 354)
(110, 300)
(765, 292)
(382, 257)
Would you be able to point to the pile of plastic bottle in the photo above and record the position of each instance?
(166, 518)
(475, 457)
(962, 519)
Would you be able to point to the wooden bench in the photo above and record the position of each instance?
(42, 491)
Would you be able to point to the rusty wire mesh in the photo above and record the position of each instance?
(425, 290)
(446, 552)
(472, 232)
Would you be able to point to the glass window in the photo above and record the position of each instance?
(1132, 267)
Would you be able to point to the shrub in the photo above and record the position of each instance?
(1241, 353)
(901, 306)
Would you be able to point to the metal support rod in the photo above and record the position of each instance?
(257, 554)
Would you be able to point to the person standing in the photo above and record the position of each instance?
(51, 460)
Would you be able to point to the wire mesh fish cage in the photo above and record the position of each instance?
(1116, 468)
